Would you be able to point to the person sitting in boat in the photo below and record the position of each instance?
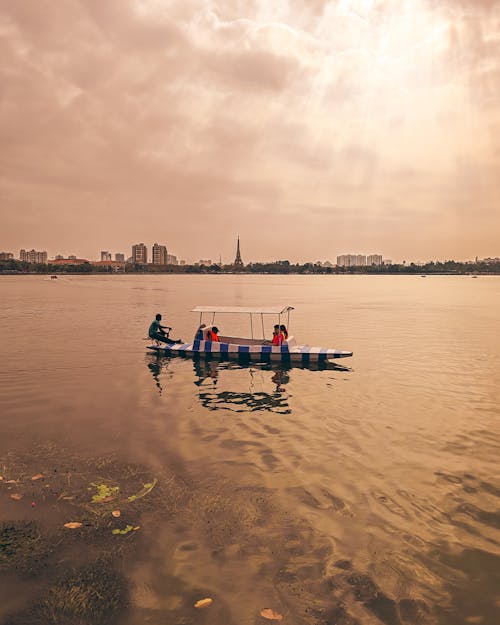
(157, 332)
(211, 334)
(199, 333)
(278, 336)
(284, 331)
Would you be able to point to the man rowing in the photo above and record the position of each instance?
(157, 332)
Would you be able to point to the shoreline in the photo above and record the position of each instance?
(249, 273)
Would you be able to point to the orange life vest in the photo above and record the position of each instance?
(211, 336)
(278, 338)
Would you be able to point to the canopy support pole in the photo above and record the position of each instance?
(262, 320)
(251, 324)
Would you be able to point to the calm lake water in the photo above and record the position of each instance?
(365, 494)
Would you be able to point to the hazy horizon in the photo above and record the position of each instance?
(310, 128)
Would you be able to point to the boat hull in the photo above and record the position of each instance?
(276, 353)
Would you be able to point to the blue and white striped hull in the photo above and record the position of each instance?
(298, 353)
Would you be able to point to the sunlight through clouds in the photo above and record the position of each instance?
(379, 117)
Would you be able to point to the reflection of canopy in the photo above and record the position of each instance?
(268, 310)
(240, 401)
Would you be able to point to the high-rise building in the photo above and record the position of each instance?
(105, 255)
(139, 254)
(33, 256)
(159, 254)
(172, 259)
(238, 263)
(351, 260)
(120, 258)
(6, 255)
(374, 259)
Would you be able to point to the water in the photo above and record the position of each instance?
(361, 494)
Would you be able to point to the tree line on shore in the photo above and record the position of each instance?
(276, 267)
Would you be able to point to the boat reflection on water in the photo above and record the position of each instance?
(252, 379)
(250, 399)
(159, 369)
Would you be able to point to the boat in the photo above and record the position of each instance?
(250, 348)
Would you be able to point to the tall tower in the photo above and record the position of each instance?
(238, 263)
(140, 254)
(159, 254)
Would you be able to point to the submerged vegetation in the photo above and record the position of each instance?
(73, 504)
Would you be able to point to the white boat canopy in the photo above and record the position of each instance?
(267, 310)
(247, 310)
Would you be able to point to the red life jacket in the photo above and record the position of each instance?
(278, 338)
(211, 336)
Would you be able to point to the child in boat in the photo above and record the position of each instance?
(278, 336)
(199, 332)
(211, 334)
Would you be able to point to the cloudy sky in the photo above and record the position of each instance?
(311, 128)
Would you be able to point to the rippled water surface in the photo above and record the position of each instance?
(361, 494)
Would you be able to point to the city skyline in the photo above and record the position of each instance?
(161, 254)
(372, 123)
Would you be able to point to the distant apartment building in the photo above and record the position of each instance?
(58, 257)
(72, 257)
(182, 263)
(159, 254)
(172, 259)
(33, 256)
(374, 259)
(71, 260)
(120, 258)
(490, 261)
(105, 255)
(204, 263)
(140, 254)
(6, 256)
(351, 260)
(115, 265)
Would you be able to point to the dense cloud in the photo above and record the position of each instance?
(310, 128)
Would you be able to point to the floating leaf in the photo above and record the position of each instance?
(126, 530)
(116, 513)
(271, 614)
(11, 482)
(203, 603)
(145, 490)
(137, 527)
(38, 476)
(73, 525)
(1, 478)
(105, 493)
(16, 496)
